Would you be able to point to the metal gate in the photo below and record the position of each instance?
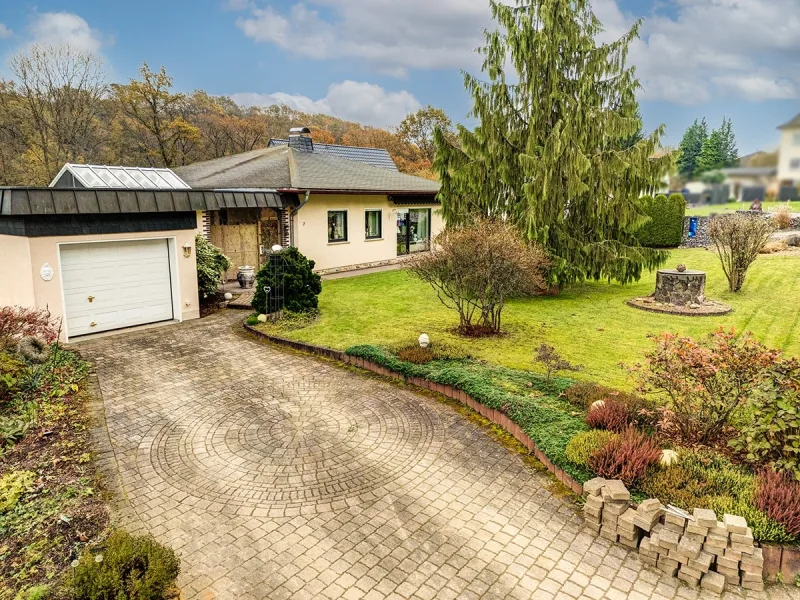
(275, 288)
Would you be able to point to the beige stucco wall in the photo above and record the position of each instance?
(788, 150)
(16, 279)
(311, 230)
(31, 254)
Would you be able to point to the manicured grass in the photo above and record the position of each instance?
(589, 324)
(702, 211)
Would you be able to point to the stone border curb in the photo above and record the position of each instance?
(784, 559)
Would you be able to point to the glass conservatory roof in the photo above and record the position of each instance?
(100, 176)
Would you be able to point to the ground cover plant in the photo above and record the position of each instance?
(589, 323)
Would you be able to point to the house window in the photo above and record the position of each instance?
(337, 226)
(794, 164)
(373, 224)
(413, 230)
(796, 138)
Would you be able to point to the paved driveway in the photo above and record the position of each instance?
(276, 475)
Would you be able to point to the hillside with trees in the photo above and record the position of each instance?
(58, 107)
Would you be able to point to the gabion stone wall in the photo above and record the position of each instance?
(701, 238)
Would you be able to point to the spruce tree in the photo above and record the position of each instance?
(729, 150)
(712, 156)
(546, 153)
(690, 149)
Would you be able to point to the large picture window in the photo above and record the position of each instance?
(373, 224)
(413, 230)
(337, 226)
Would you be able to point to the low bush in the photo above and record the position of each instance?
(771, 434)
(128, 568)
(665, 227)
(17, 322)
(252, 320)
(211, 264)
(552, 361)
(705, 383)
(12, 375)
(583, 394)
(774, 247)
(703, 479)
(292, 274)
(416, 354)
(782, 217)
(611, 415)
(581, 448)
(627, 457)
(738, 239)
(778, 495)
(33, 349)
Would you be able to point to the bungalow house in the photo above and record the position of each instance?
(106, 248)
(352, 207)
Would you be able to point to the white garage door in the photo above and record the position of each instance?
(110, 285)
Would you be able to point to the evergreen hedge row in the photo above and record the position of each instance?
(665, 227)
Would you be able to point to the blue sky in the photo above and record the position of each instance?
(375, 60)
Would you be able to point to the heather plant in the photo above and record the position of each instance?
(778, 495)
(704, 383)
(583, 393)
(610, 414)
(627, 457)
(581, 447)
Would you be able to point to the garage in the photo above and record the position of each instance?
(113, 285)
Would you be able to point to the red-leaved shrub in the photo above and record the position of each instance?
(612, 415)
(626, 458)
(778, 495)
(17, 322)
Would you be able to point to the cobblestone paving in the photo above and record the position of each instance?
(276, 475)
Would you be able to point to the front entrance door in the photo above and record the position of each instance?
(413, 230)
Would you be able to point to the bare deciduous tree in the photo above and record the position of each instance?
(61, 89)
(476, 268)
(739, 238)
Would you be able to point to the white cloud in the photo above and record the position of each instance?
(691, 51)
(62, 28)
(365, 103)
(5, 32)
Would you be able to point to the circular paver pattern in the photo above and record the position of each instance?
(307, 445)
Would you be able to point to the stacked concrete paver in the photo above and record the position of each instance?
(695, 548)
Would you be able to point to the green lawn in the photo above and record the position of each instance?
(590, 324)
(702, 211)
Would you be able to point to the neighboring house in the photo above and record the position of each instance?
(349, 213)
(742, 178)
(789, 153)
(114, 251)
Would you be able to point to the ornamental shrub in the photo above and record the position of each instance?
(778, 495)
(771, 434)
(298, 283)
(739, 238)
(583, 394)
(627, 457)
(704, 383)
(128, 568)
(211, 264)
(17, 322)
(612, 415)
(665, 226)
(581, 448)
(12, 375)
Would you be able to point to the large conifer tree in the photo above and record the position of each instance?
(691, 147)
(546, 152)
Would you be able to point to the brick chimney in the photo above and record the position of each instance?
(300, 139)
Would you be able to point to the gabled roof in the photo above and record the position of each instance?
(284, 168)
(377, 157)
(750, 171)
(793, 124)
(131, 178)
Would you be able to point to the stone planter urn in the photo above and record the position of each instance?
(680, 287)
(246, 277)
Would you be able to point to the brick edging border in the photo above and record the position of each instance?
(495, 416)
(783, 559)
